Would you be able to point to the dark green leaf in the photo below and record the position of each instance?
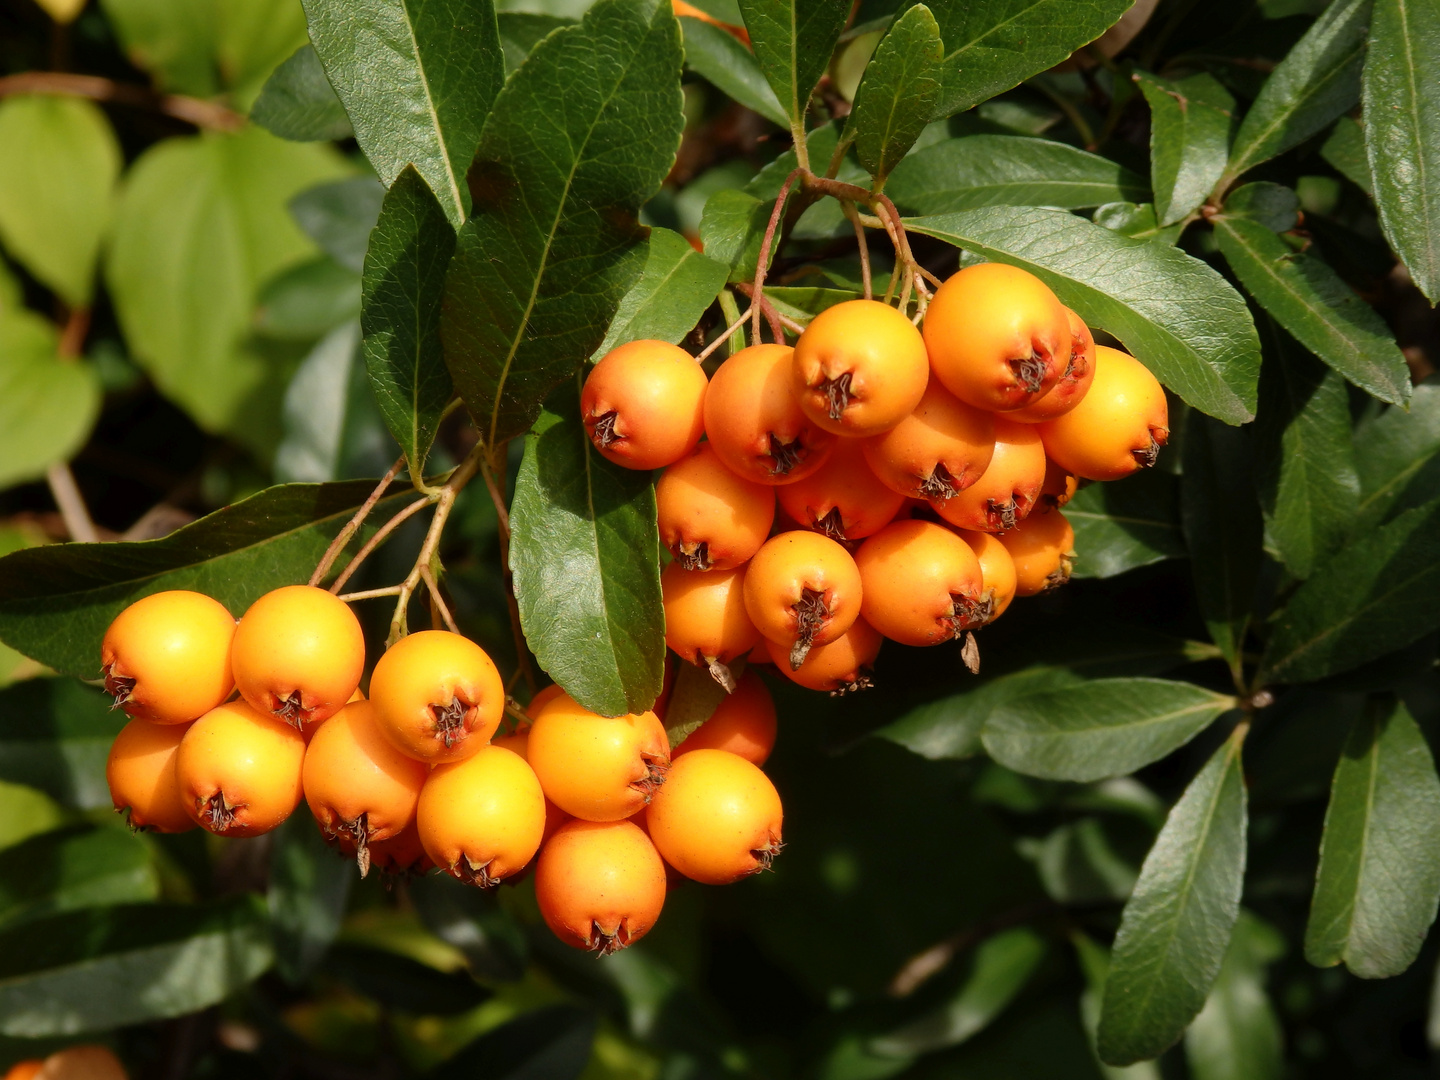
(55, 735)
(470, 919)
(55, 602)
(719, 57)
(793, 40)
(732, 229)
(1122, 525)
(585, 551)
(309, 887)
(1190, 125)
(1104, 728)
(338, 216)
(1174, 313)
(898, 92)
(1396, 456)
(579, 139)
(102, 968)
(552, 1043)
(521, 31)
(1007, 170)
(1316, 82)
(1078, 864)
(1345, 149)
(403, 984)
(1272, 205)
(418, 78)
(307, 301)
(1136, 220)
(1237, 1033)
(73, 868)
(1176, 926)
(299, 103)
(674, 290)
(1402, 133)
(1378, 883)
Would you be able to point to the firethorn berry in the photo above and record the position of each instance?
(705, 618)
(599, 768)
(89, 1062)
(166, 657)
(860, 368)
(401, 854)
(937, 451)
(518, 742)
(1043, 548)
(842, 666)
(298, 654)
(756, 425)
(239, 770)
(357, 784)
(25, 1070)
(437, 696)
(717, 819)
(1073, 383)
(643, 404)
(997, 336)
(710, 518)
(600, 885)
(1118, 428)
(543, 697)
(1002, 497)
(844, 499)
(923, 584)
(801, 590)
(141, 773)
(1059, 488)
(743, 723)
(481, 819)
(997, 571)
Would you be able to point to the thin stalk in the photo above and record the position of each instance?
(71, 503)
(202, 114)
(379, 538)
(437, 602)
(758, 288)
(369, 594)
(864, 244)
(730, 331)
(343, 537)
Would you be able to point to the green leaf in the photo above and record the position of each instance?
(1172, 312)
(56, 602)
(579, 139)
(73, 868)
(1378, 883)
(1104, 728)
(1375, 595)
(1305, 460)
(1316, 82)
(253, 38)
(57, 180)
(585, 551)
(103, 968)
(1176, 926)
(693, 699)
(339, 215)
(1190, 125)
(55, 735)
(552, 1043)
(1007, 170)
(1237, 1032)
(309, 886)
(992, 47)
(471, 920)
(897, 93)
(47, 405)
(733, 228)
(1308, 298)
(676, 287)
(1272, 205)
(298, 102)
(1396, 456)
(1136, 220)
(174, 42)
(403, 984)
(418, 80)
(307, 301)
(1345, 149)
(345, 436)
(793, 40)
(404, 282)
(1095, 963)
(1120, 526)
(1402, 133)
(521, 31)
(717, 56)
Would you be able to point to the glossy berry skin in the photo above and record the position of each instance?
(923, 584)
(1118, 428)
(239, 771)
(937, 451)
(141, 774)
(600, 885)
(298, 654)
(844, 499)
(754, 422)
(717, 819)
(1042, 548)
(859, 368)
(595, 767)
(837, 668)
(710, 518)
(643, 404)
(1001, 498)
(542, 697)
(89, 1062)
(997, 336)
(743, 724)
(28, 1069)
(997, 571)
(481, 819)
(437, 696)
(1073, 383)
(705, 616)
(166, 657)
(518, 742)
(801, 590)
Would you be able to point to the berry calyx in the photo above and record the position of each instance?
(801, 590)
(710, 518)
(859, 368)
(600, 885)
(437, 696)
(754, 422)
(718, 819)
(843, 499)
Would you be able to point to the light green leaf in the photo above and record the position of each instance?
(793, 40)
(299, 103)
(1190, 124)
(47, 405)
(1237, 1033)
(318, 408)
(1397, 455)
(253, 38)
(718, 56)
(173, 41)
(898, 92)
(1120, 526)
(78, 867)
(1345, 149)
(674, 290)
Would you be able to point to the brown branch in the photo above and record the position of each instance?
(378, 539)
(343, 537)
(854, 216)
(71, 503)
(762, 264)
(202, 114)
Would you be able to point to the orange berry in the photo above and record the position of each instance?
(709, 518)
(717, 819)
(596, 767)
(1059, 488)
(141, 773)
(1073, 383)
(437, 696)
(923, 584)
(801, 590)
(90, 1062)
(481, 819)
(239, 770)
(754, 422)
(859, 368)
(1043, 548)
(166, 657)
(643, 404)
(518, 742)
(844, 499)
(1002, 497)
(600, 885)
(705, 616)
(838, 668)
(25, 1070)
(543, 697)
(298, 654)
(997, 572)
(997, 336)
(1117, 428)
(743, 723)
(937, 451)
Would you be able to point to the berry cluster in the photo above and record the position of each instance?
(918, 476)
(417, 776)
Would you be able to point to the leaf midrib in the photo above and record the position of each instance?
(434, 114)
(1413, 118)
(1373, 770)
(1219, 704)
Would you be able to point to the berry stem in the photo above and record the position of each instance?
(757, 291)
(704, 354)
(343, 537)
(376, 540)
(854, 215)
